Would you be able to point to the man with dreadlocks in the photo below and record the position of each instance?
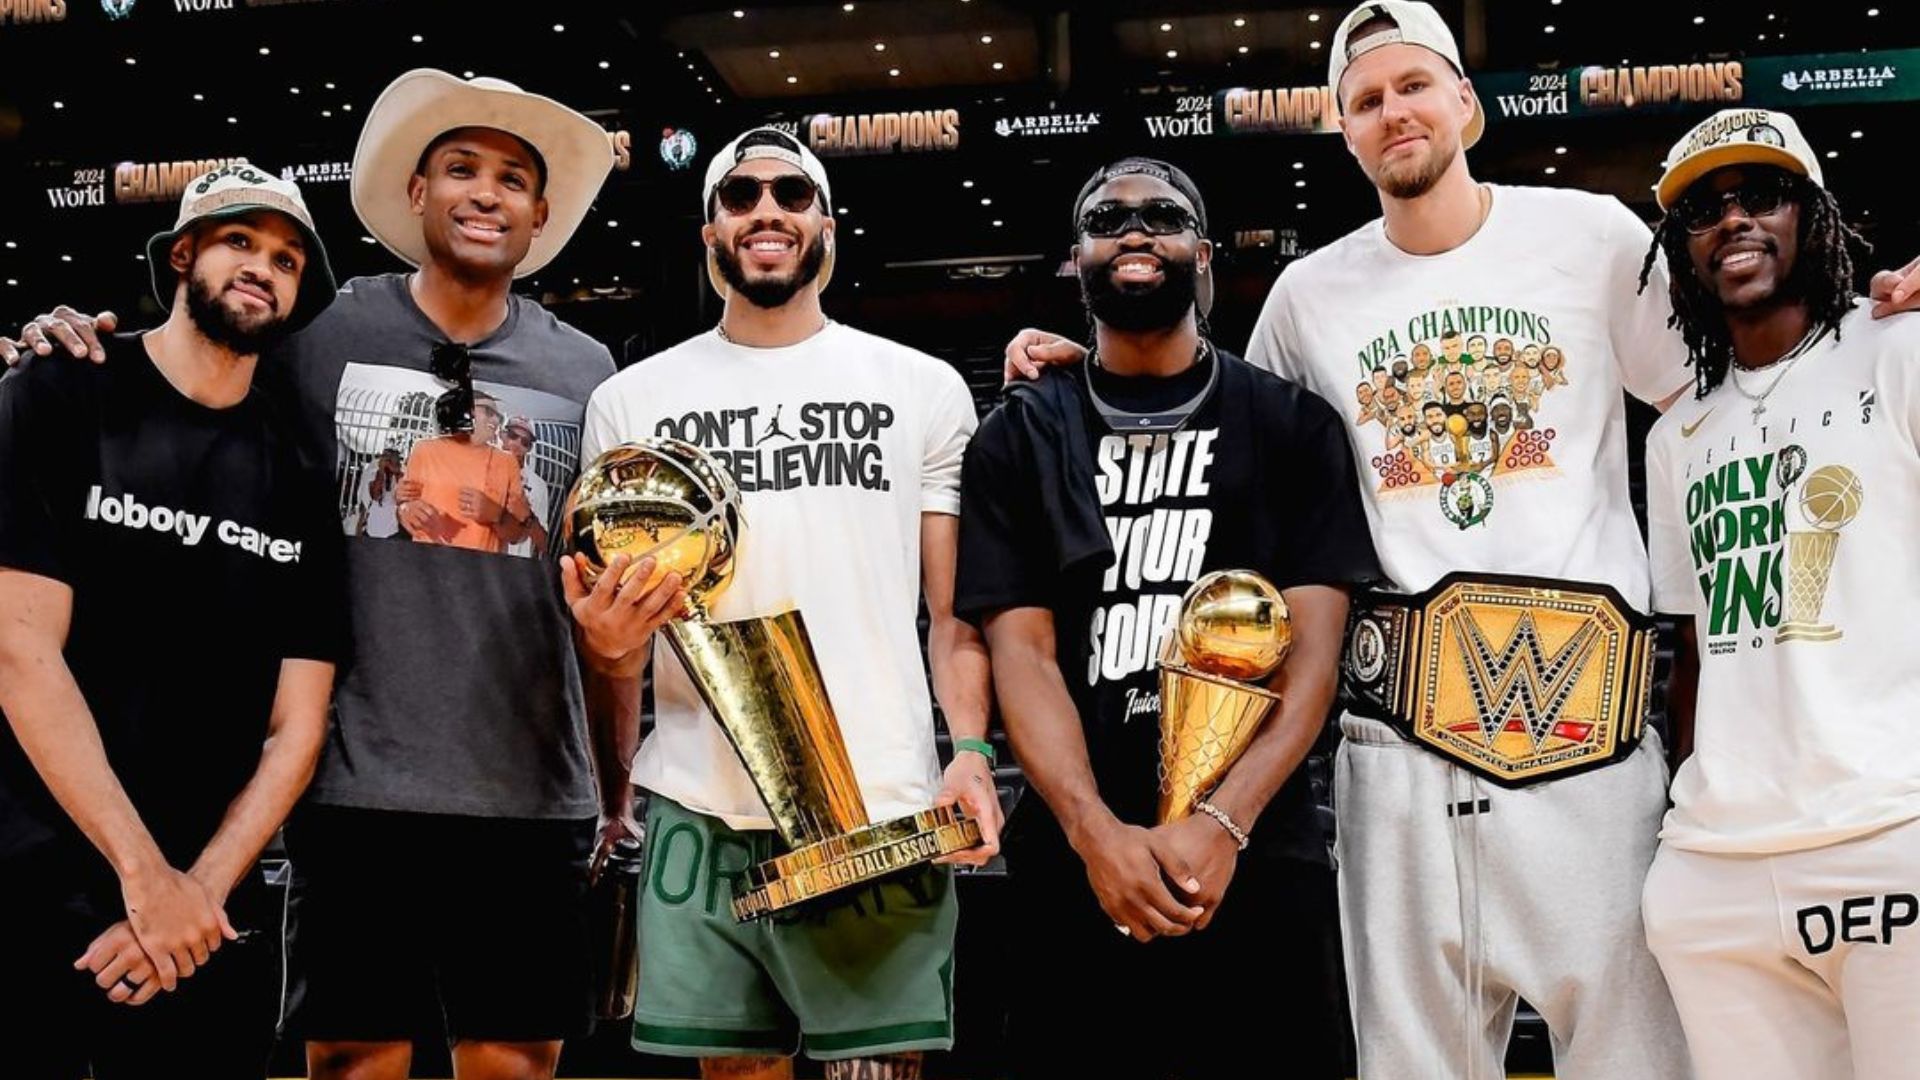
(1782, 904)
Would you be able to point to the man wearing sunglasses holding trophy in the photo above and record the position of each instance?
(1093, 500)
(846, 449)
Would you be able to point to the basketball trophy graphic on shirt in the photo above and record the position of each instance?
(1829, 500)
(1232, 634)
(758, 676)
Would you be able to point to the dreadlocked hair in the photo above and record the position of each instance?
(1822, 275)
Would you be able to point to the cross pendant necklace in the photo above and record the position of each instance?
(1784, 363)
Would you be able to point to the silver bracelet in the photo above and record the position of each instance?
(1239, 835)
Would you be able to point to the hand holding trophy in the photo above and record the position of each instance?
(758, 676)
(1234, 632)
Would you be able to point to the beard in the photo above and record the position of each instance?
(1136, 308)
(771, 292)
(1412, 179)
(245, 334)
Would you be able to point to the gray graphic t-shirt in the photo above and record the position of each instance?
(463, 694)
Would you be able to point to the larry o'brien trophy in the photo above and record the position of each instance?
(1233, 633)
(1829, 500)
(672, 501)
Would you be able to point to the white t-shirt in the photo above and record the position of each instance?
(1790, 540)
(537, 506)
(840, 443)
(1548, 267)
(383, 511)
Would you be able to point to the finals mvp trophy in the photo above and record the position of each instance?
(672, 501)
(1234, 631)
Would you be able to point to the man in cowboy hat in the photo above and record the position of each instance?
(170, 574)
(443, 851)
(863, 980)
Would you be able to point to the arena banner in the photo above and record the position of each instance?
(72, 187)
(1776, 82)
(906, 132)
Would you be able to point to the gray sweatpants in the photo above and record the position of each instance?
(1458, 896)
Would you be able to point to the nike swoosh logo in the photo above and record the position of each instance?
(1687, 430)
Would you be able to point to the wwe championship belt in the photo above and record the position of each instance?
(1518, 679)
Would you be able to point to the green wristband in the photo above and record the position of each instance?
(978, 746)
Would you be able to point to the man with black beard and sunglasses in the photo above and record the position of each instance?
(1093, 498)
(847, 450)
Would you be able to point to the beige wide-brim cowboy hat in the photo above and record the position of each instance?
(424, 104)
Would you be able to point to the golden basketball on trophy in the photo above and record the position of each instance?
(663, 499)
(1234, 632)
(758, 676)
(1830, 499)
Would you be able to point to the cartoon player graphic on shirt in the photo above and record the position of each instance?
(1406, 432)
(1553, 368)
(1461, 407)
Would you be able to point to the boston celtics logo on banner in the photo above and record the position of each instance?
(677, 148)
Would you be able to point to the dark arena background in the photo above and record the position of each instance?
(956, 132)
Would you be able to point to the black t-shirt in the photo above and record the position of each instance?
(1260, 477)
(200, 554)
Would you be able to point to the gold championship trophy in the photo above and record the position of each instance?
(1829, 499)
(1233, 633)
(758, 676)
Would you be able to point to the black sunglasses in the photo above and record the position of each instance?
(791, 192)
(453, 410)
(1700, 210)
(1155, 217)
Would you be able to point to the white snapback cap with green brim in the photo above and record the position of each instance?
(1414, 23)
(232, 191)
(424, 104)
(775, 145)
(1736, 137)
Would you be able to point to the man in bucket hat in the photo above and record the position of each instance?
(443, 852)
(171, 583)
(847, 448)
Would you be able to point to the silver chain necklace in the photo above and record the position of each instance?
(1784, 363)
(721, 329)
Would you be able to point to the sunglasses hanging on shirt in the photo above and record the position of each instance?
(453, 410)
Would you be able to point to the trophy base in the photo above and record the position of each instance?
(849, 859)
(1799, 631)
